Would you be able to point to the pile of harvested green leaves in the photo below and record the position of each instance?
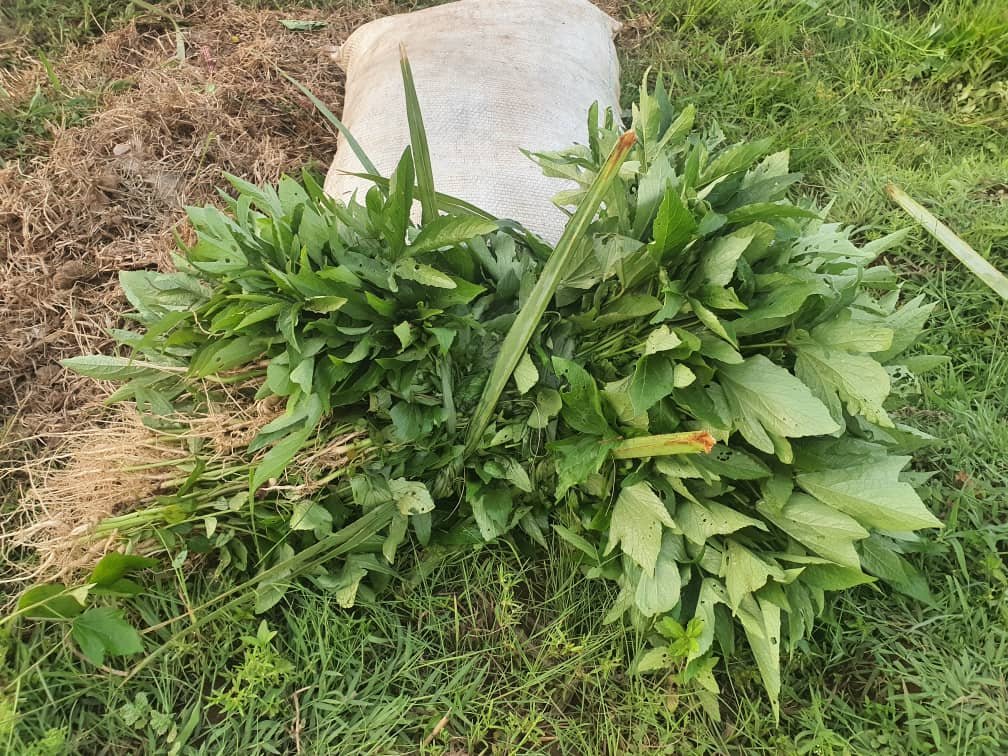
(690, 389)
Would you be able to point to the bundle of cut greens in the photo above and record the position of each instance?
(690, 389)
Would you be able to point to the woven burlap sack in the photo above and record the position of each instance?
(493, 77)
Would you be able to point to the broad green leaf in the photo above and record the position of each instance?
(661, 339)
(577, 458)
(766, 398)
(652, 660)
(653, 379)
(49, 601)
(879, 557)
(547, 405)
(872, 494)
(659, 592)
(719, 258)
(258, 315)
(396, 535)
(106, 368)
(833, 577)
(102, 632)
(907, 322)
(775, 309)
(426, 275)
(745, 573)
(525, 375)
(114, 566)
(855, 379)
(673, 225)
(324, 304)
(225, 354)
(701, 520)
(636, 524)
(404, 333)
(154, 294)
(277, 458)
(577, 542)
(722, 328)
(820, 528)
(768, 211)
(733, 159)
(733, 463)
(849, 335)
(491, 507)
(712, 593)
(582, 404)
(310, 515)
(761, 622)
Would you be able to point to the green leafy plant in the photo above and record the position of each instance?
(98, 630)
(692, 390)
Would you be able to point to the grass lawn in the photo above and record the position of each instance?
(509, 647)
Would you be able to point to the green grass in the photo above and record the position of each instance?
(513, 646)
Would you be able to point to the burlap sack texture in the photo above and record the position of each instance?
(493, 77)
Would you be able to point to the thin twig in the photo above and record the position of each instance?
(296, 728)
(438, 728)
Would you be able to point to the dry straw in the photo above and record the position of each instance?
(108, 195)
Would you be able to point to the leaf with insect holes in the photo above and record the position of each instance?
(761, 620)
(410, 496)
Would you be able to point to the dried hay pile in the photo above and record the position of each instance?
(109, 195)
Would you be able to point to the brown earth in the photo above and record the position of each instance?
(193, 99)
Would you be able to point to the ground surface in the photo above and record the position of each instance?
(102, 145)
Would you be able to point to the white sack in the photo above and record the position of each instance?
(492, 77)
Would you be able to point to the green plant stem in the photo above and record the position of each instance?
(531, 313)
(663, 445)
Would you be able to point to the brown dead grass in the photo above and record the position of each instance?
(116, 465)
(102, 470)
(107, 196)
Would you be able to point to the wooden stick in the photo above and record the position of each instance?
(963, 252)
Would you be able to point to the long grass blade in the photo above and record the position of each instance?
(963, 252)
(418, 140)
(531, 313)
(341, 542)
(331, 117)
